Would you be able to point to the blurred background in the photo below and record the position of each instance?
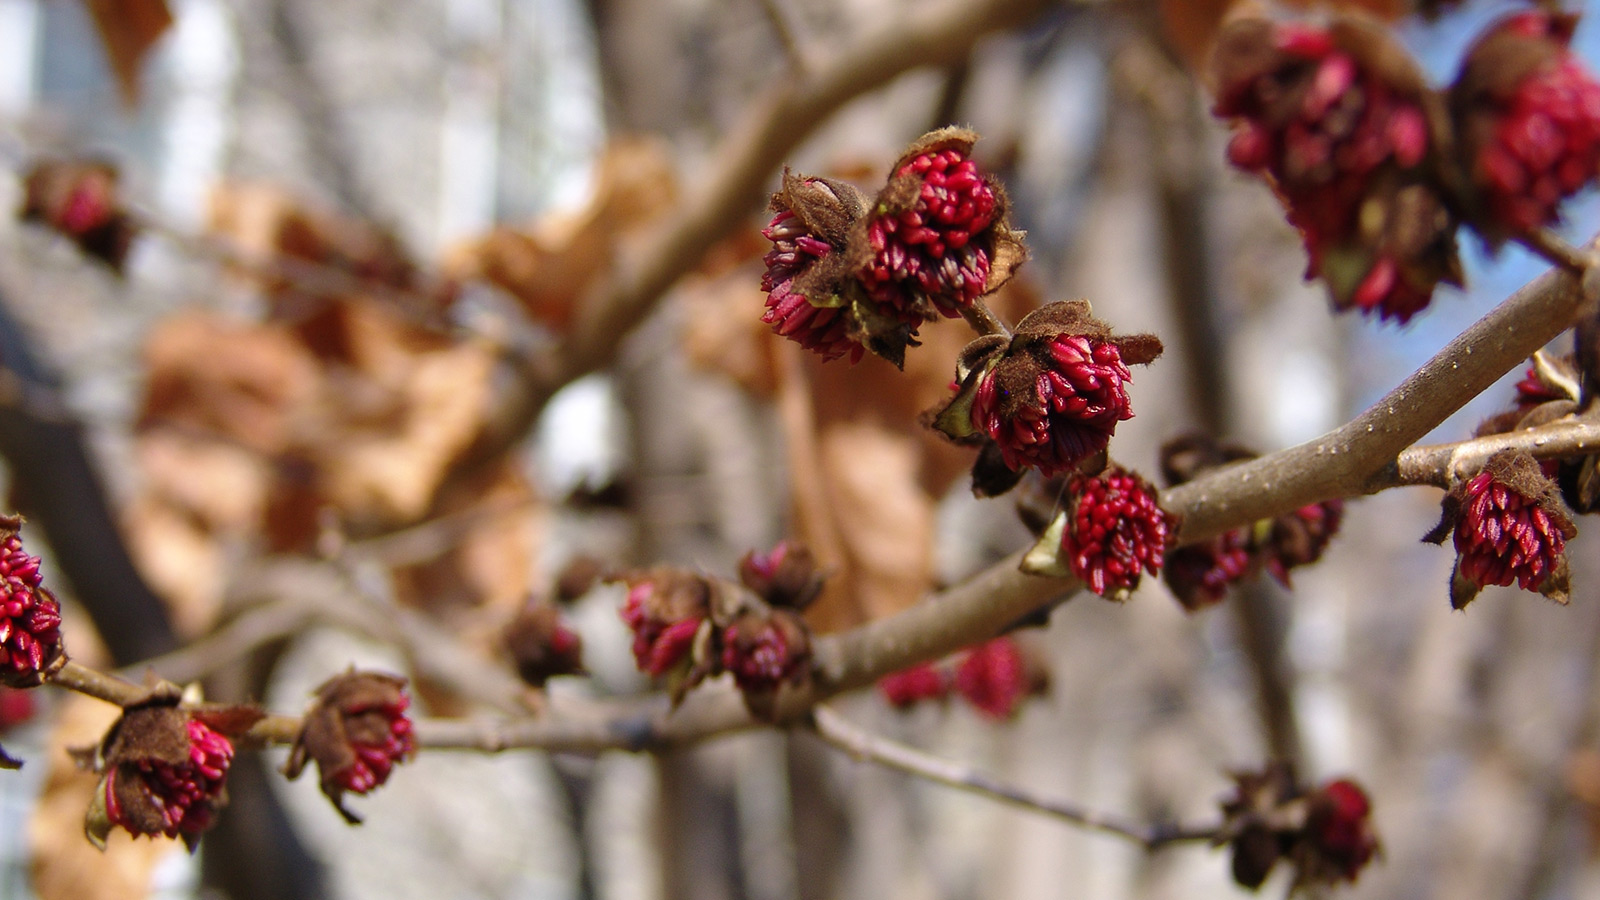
(232, 402)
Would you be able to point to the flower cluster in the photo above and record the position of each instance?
(356, 731)
(1339, 120)
(1325, 834)
(688, 627)
(1528, 116)
(541, 645)
(30, 617)
(163, 769)
(846, 275)
(1111, 531)
(1200, 574)
(994, 676)
(1050, 396)
(1510, 526)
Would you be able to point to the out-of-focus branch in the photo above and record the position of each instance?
(861, 744)
(738, 181)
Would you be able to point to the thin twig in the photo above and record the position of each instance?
(983, 320)
(1556, 251)
(1441, 465)
(837, 732)
(784, 30)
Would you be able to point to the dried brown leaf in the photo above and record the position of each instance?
(127, 30)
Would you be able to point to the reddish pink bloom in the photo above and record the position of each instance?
(30, 616)
(1115, 531)
(149, 795)
(928, 249)
(1529, 113)
(663, 631)
(809, 321)
(1335, 118)
(1338, 840)
(908, 687)
(383, 739)
(1504, 536)
(994, 678)
(763, 652)
(1200, 574)
(1053, 409)
(1300, 538)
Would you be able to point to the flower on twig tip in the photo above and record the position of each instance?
(80, 199)
(937, 237)
(812, 298)
(1527, 113)
(30, 616)
(1325, 834)
(163, 769)
(1510, 526)
(1050, 397)
(765, 649)
(541, 645)
(356, 731)
(1340, 121)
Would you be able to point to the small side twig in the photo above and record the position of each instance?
(983, 320)
(837, 732)
(784, 30)
(1556, 251)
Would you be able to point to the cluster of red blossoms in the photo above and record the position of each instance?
(183, 795)
(846, 275)
(687, 627)
(994, 676)
(1050, 396)
(1200, 574)
(356, 731)
(1510, 525)
(1114, 531)
(1325, 834)
(1340, 121)
(30, 616)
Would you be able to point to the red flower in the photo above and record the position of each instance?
(664, 611)
(994, 678)
(1115, 530)
(30, 616)
(150, 794)
(820, 328)
(356, 730)
(764, 651)
(1055, 407)
(1300, 538)
(908, 687)
(1337, 842)
(1529, 116)
(932, 247)
(1336, 119)
(1199, 575)
(1505, 536)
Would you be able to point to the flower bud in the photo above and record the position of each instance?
(1112, 531)
(30, 616)
(163, 769)
(765, 650)
(996, 676)
(1510, 526)
(1341, 122)
(541, 645)
(356, 731)
(1527, 115)
(785, 576)
(910, 686)
(79, 199)
(811, 294)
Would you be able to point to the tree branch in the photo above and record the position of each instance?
(861, 744)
